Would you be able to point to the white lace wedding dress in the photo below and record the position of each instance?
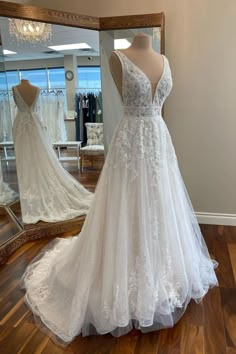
(47, 191)
(140, 257)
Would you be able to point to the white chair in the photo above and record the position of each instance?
(95, 143)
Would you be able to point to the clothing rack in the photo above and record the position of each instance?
(56, 92)
(86, 90)
(88, 106)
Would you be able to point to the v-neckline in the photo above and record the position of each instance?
(24, 100)
(153, 94)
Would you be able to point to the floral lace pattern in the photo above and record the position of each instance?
(137, 89)
(142, 133)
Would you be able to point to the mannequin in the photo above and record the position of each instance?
(143, 56)
(27, 91)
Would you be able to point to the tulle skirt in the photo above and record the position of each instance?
(140, 257)
(47, 191)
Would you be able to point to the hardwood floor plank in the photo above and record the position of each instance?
(11, 312)
(19, 252)
(228, 297)
(147, 343)
(192, 340)
(194, 314)
(231, 350)
(170, 340)
(232, 254)
(35, 342)
(126, 343)
(214, 332)
(16, 337)
(224, 271)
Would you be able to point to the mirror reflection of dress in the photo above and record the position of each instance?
(47, 191)
(7, 195)
(140, 257)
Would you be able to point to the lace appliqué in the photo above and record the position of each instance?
(142, 143)
(144, 296)
(142, 140)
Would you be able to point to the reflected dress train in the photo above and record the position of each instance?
(140, 257)
(47, 191)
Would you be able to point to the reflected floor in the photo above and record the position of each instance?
(8, 227)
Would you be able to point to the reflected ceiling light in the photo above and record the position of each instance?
(6, 52)
(121, 43)
(29, 31)
(70, 46)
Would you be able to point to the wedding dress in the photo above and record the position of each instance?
(47, 191)
(140, 257)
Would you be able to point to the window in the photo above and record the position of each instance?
(89, 77)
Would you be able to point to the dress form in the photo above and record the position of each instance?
(143, 56)
(27, 91)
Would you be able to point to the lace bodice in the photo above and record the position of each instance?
(137, 96)
(21, 104)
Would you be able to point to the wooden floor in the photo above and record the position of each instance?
(207, 328)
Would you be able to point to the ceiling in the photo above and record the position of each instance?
(60, 35)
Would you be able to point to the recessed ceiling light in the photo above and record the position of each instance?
(70, 46)
(6, 52)
(121, 43)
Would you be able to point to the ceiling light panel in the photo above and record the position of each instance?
(70, 46)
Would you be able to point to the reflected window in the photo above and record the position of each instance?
(56, 78)
(13, 78)
(89, 77)
(37, 77)
(52, 78)
(2, 80)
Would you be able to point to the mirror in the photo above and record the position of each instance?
(66, 69)
(64, 75)
(9, 227)
(110, 40)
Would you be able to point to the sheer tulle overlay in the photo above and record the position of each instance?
(140, 257)
(47, 191)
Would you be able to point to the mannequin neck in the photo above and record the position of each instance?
(142, 41)
(24, 81)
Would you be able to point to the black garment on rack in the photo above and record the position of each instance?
(86, 108)
(77, 120)
(92, 107)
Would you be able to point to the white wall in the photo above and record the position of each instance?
(201, 111)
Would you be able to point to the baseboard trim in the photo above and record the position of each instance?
(216, 219)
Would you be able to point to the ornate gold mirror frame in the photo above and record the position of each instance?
(14, 10)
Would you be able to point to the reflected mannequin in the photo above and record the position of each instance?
(47, 191)
(27, 91)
